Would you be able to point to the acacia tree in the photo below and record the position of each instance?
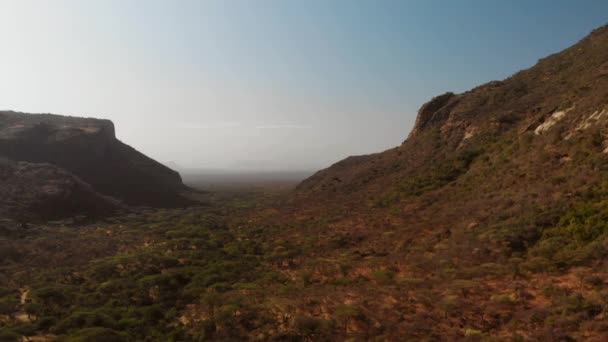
(8, 306)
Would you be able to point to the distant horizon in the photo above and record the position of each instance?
(211, 170)
(286, 86)
(235, 170)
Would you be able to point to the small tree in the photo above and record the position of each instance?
(345, 313)
(8, 305)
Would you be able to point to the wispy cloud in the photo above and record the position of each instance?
(283, 126)
(230, 124)
(209, 125)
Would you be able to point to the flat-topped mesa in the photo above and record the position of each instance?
(89, 149)
(13, 124)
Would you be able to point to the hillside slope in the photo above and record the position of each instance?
(488, 220)
(31, 192)
(555, 104)
(89, 149)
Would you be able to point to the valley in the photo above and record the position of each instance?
(489, 222)
(248, 266)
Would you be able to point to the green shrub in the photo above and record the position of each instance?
(46, 322)
(95, 335)
(52, 294)
(307, 277)
(384, 276)
(308, 326)
(25, 329)
(580, 236)
(585, 223)
(8, 305)
(5, 291)
(470, 332)
(439, 175)
(188, 232)
(85, 319)
(346, 312)
(505, 299)
(7, 335)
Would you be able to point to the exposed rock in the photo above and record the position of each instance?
(435, 110)
(551, 121)
(592, 119)
(45, 192)
(89, 149)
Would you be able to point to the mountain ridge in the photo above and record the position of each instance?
(526, 99)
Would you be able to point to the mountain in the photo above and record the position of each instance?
(488, 220)
(536, 140)
(551, 108)
(89, 149)
(172, 165)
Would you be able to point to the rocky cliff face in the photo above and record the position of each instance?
(88, 148)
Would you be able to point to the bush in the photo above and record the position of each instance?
(346, 312)
(95, 335)
(585, 223)
(7, 335)
(384, 276)
(8, 305)
(188, 232)
(439, 175)
(52, 294)
(308, 326)
(25, 329)
(505, 299)
(470, 332)
(45, 323)
(580, 236)
(85, 319)
(5, 291)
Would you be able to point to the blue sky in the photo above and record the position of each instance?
(273, 84)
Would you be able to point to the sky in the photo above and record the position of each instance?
(265, 84)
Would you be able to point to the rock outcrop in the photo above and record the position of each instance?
(435, 110)
(89, 149)
(32, 192)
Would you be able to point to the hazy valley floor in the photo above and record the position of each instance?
(241, 268)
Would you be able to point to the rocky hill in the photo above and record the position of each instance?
(88, 148)
(552, 107)
(495, 199)
(31, 192)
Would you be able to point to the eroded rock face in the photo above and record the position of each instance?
(30, 192)
(435, 110)
(89, 149)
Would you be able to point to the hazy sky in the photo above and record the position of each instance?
(281, 84)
